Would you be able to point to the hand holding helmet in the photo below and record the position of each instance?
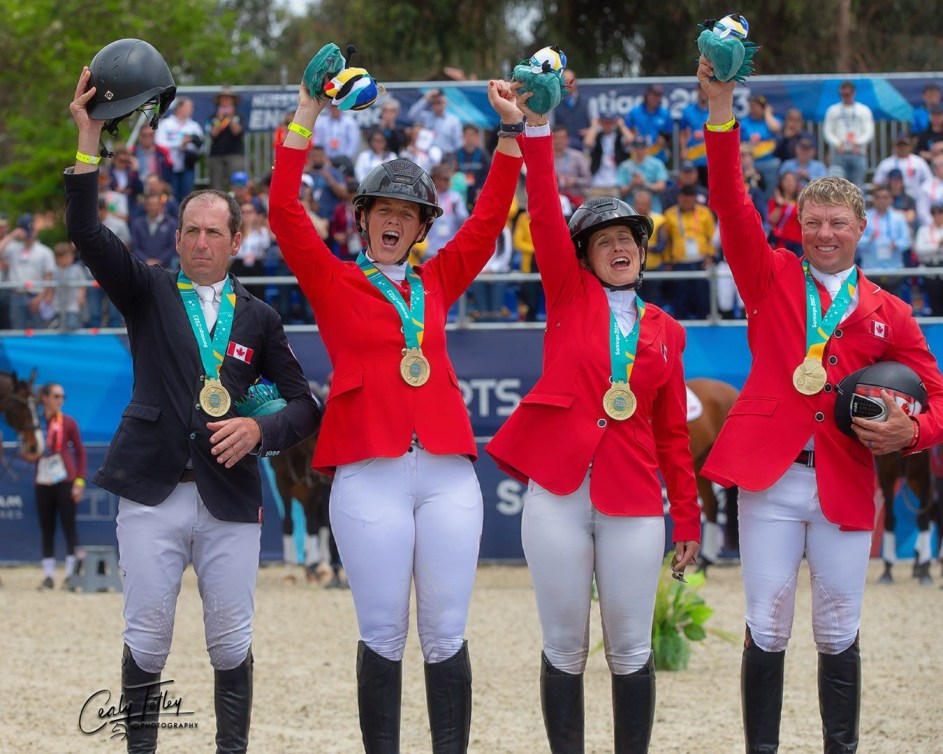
(875, 405)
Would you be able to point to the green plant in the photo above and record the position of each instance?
(680, 614)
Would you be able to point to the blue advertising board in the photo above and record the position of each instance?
(495, 369)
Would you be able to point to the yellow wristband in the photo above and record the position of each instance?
(723, 126)
(299, 130)
(88, 158)
(79, 481)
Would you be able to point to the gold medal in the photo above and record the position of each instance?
(414, 367)
(214, 398)
(619, 402)
(809, 377)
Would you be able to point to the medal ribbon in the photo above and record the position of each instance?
(413, 318)
(818, 329)
(211, 351)
(622, 348)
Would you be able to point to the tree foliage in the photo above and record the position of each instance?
(45, 43)
(798, 36)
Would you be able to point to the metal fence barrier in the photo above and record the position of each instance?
(463, 318)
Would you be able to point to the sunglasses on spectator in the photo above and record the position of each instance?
(57, 395)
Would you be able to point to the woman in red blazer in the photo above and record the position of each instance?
(608, 413)
(60, 481)
(405, 502)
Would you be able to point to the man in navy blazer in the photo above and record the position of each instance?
(184, 464)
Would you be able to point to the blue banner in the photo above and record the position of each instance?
(890, 97)
(495, 369)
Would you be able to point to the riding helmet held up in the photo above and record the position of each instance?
(129, 74)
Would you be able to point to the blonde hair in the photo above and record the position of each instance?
(833, 191)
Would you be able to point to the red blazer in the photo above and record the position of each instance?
(69, 445)
(560, 428)
(771, 421)
(371, 412)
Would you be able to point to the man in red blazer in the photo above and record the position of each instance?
(807, 488)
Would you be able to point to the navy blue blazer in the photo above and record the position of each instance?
(163, 427)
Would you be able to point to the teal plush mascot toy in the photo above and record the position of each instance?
(725, 44)
(542, 74)
(330, 75)
(261, 399)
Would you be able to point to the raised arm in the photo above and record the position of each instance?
(298, 240)
(462, 258)
(556, 257)
(741, 229)
(122, 276)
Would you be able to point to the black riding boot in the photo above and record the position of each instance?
(449, 696)
(633, 709)
(761, 696)
(840, 699)
(379, 693)
(141, 692)
(561, 699)
(234, 707)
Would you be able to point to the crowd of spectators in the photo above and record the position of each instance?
(597, 152)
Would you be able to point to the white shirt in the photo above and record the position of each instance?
(833, 284)
(210, 298)
(395, 272)
(624, 306)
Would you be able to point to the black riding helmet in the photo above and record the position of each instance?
(859, 393)
(604, 211)
(128, 74)
(397, 179)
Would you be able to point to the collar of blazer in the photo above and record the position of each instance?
(652, 322)
(868, 300)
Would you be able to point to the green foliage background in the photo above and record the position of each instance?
(44, 44)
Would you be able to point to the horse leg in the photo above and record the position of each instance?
(732, 524)
(888, 472)
(918, 478)
(313, 541)
(712, 536)
(289, 557)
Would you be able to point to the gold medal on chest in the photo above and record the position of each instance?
(619, 401)
(214, 398)
(809, 377)
(414, 367)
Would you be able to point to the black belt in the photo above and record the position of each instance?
(806, 458)
(188, 475)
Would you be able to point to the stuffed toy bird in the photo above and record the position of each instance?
(329, 75)
(261, 399)
(542, 74)
(725, 44)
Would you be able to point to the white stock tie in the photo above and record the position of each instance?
(208, 303)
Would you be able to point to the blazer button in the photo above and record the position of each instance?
(601, 423)
(819, 416)
(833, 360)
(198, 407)
(838, 333)
(828, 387)
(193, 435)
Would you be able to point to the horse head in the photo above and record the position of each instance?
(19, 406)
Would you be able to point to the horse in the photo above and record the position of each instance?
(19, 409)
(704, 424)
(295, 479)
(915, 470)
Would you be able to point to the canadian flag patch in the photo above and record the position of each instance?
(240, 352)
(879, 329)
